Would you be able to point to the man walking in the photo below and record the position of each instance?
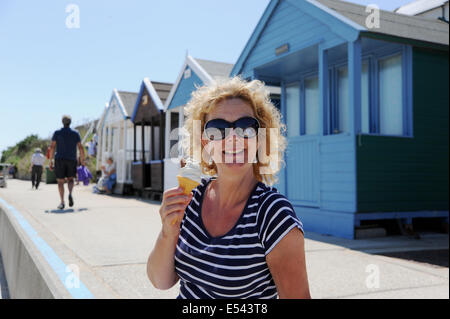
(37, 163)
(66, 141)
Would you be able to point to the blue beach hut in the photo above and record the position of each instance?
(194, 73)
(365, 100)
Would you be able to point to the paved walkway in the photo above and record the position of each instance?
(108, 239)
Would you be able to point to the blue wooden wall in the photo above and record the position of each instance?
(288, 24)
(184, 90)
(338, 173)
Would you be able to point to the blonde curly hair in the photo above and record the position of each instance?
(203, 101)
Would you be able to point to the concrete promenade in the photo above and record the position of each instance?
(107, 240)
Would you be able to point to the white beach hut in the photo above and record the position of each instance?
(116, 135)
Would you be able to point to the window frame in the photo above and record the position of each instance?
(285, 88)
(300, 80)
(373, 58)
(333, 98)
(303, 99)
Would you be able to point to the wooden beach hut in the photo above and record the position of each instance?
(194, 73)
(117, 138)
(365, 100)
(148, 120)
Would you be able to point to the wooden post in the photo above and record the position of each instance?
(119, 158)
(162, 130)
(152, 141)
(143, 153)
(167, 127)
(354, 101)
(162, 140)
(134, 143)
(125, 152)
(354, 86)
(323, 89)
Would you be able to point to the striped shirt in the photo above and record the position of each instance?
(233, 265)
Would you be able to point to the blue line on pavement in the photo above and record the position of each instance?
(78, 290)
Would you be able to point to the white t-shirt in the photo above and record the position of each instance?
(37, 159)
(109, 168)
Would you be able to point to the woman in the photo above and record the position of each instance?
(109, 172)
(234, 236)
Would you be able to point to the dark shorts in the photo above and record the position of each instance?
(65, 168)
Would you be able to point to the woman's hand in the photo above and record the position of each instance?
(172, 209)
(161, 262)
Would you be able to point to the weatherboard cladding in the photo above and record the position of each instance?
(337, 173)
(288, 24)
(184, 90)
(145, 112)
(187, 85)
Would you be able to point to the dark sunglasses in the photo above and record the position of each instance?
(219, 129)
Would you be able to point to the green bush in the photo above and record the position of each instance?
(20, 154)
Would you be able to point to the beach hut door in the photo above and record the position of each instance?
(302, 155)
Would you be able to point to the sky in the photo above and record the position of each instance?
(53, 64)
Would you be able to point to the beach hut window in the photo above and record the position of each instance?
(390, 95)
(293, 109)
(343, 105)
(312, 106)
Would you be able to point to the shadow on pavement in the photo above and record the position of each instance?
(430, 248)
(65, 211)
(438, 257)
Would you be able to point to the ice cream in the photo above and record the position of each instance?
(189, 176)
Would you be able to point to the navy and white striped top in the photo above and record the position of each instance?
(233, 265)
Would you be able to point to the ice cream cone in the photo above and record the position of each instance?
(188, 177)
(187, 184)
